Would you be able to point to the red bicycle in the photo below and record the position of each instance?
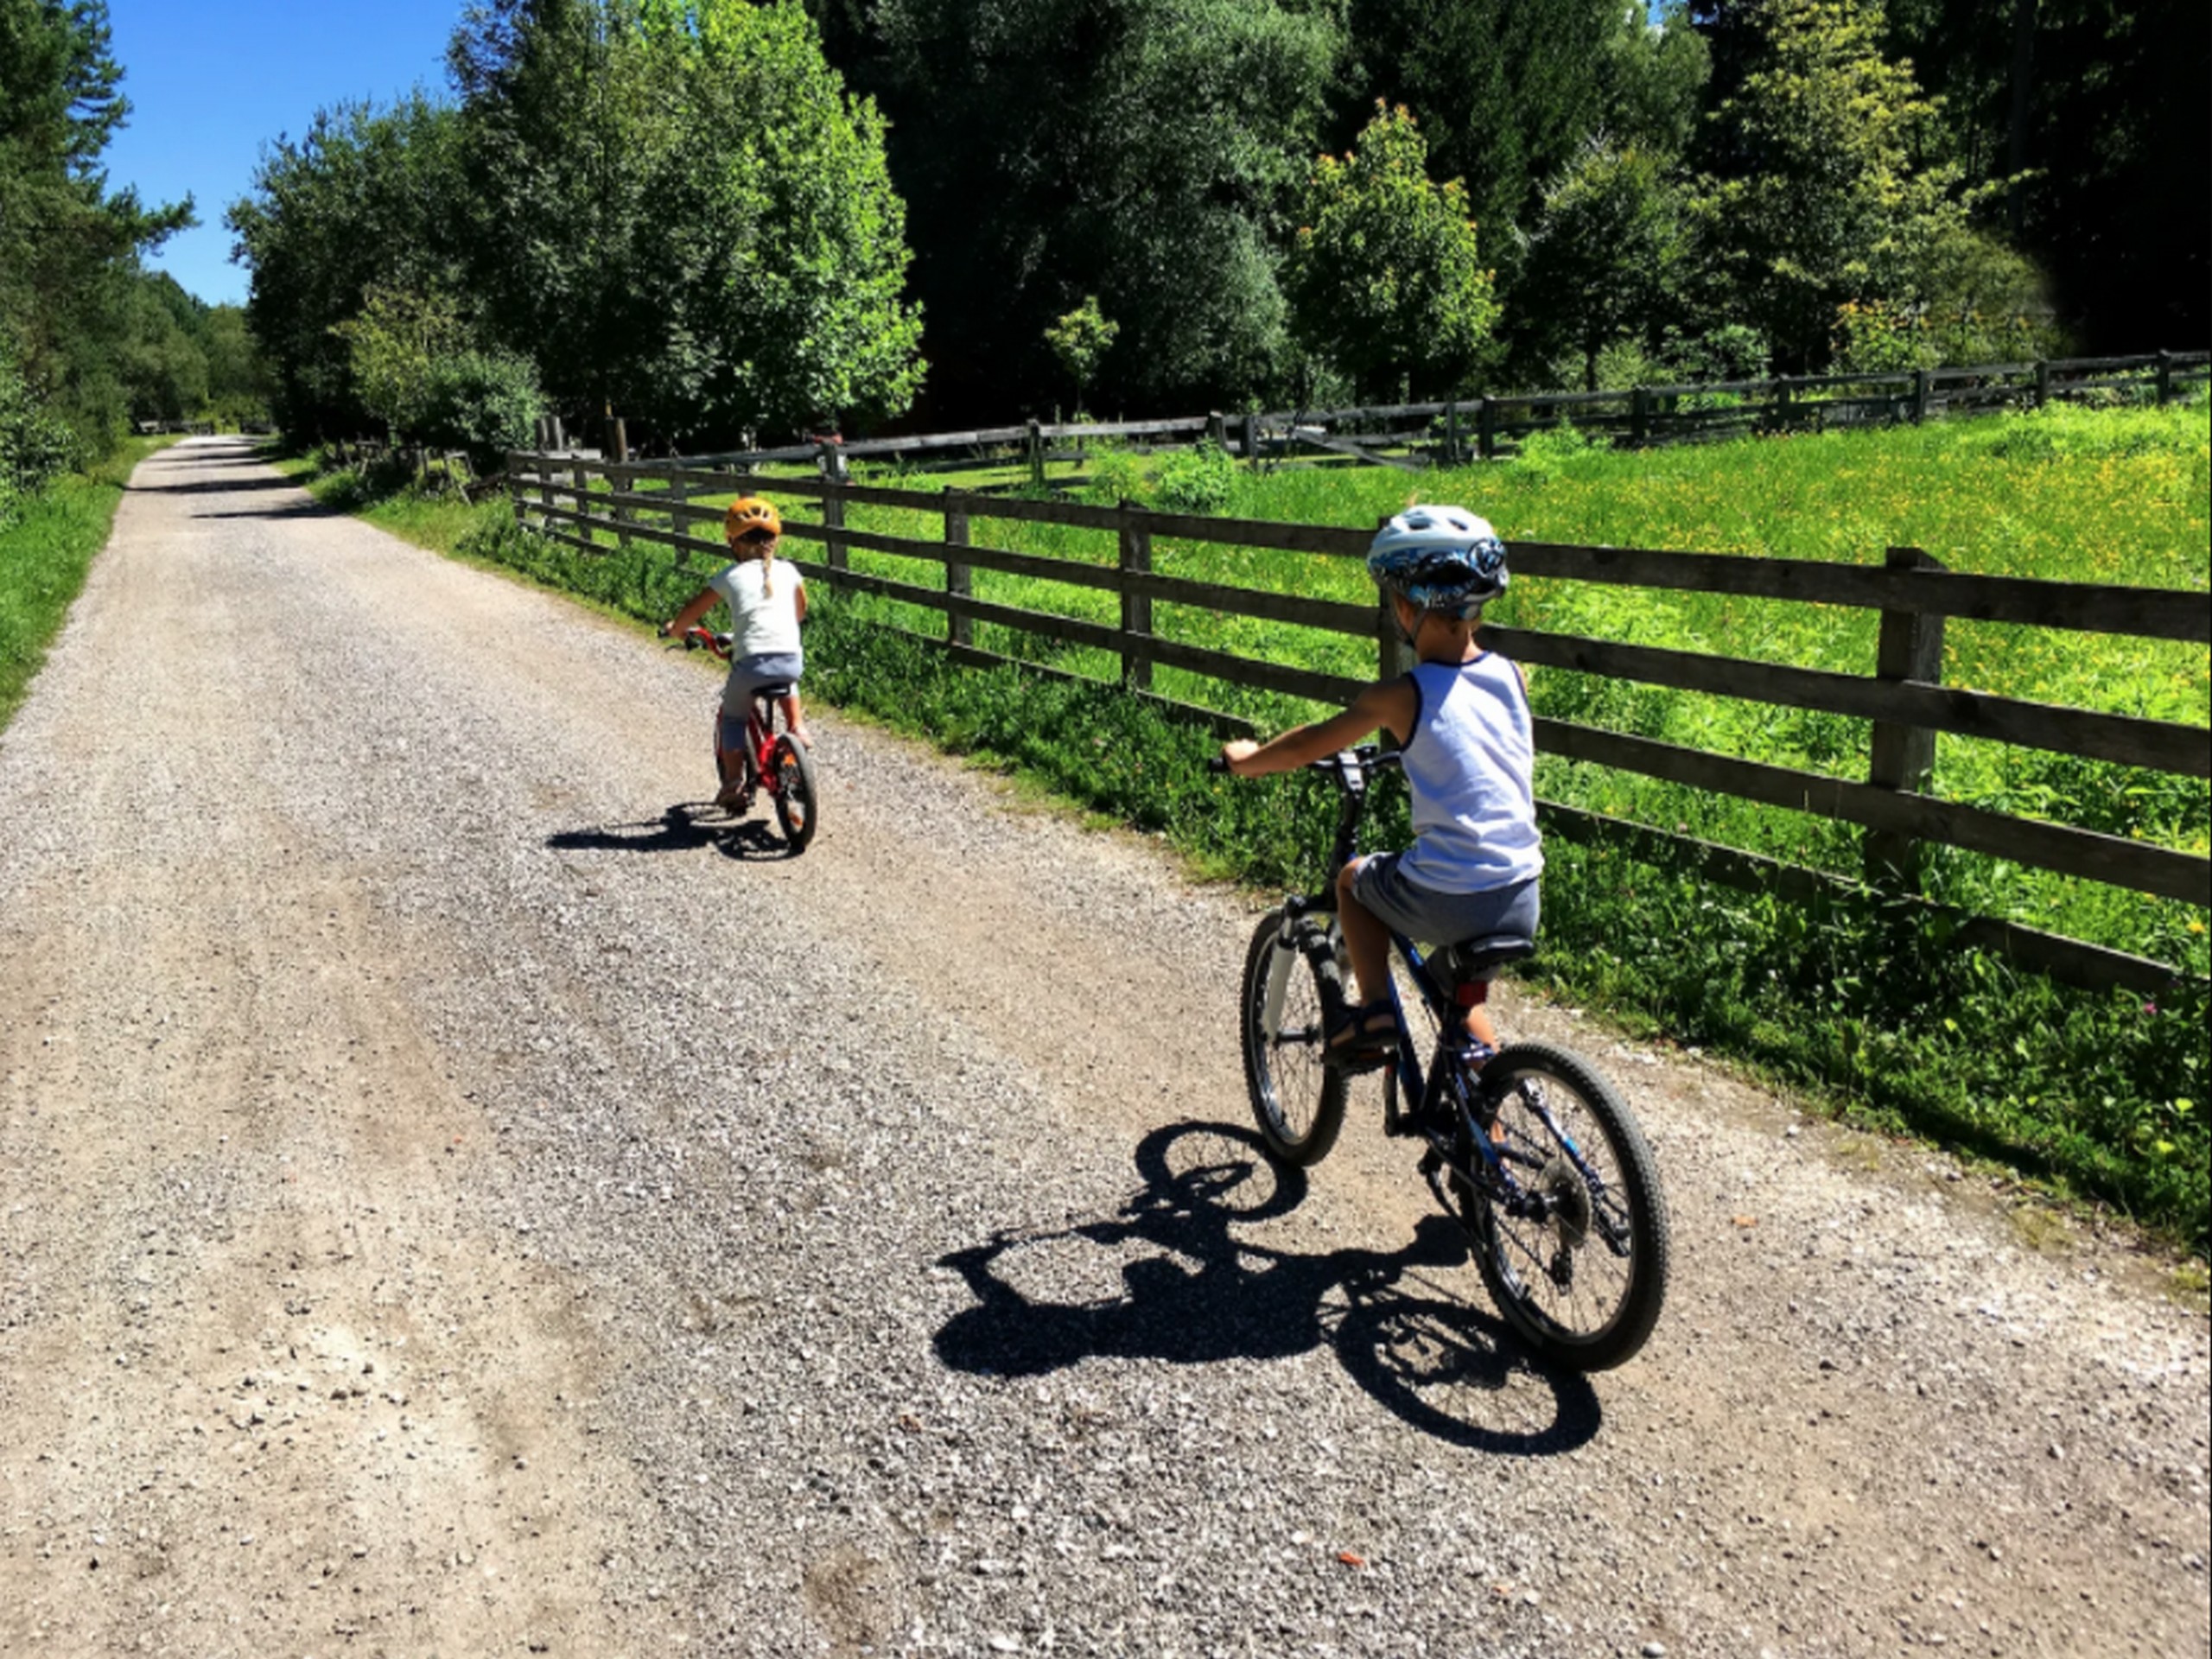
(771, 759)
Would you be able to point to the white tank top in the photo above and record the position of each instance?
(1468, 762)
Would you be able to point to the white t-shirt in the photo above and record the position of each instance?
(761, 624)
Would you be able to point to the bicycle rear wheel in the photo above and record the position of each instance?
(1583, 1277)
(1289, 986)
(796, 801)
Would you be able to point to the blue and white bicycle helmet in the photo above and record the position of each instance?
(1444, 560)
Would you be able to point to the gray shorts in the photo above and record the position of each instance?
(1432, 919)
(746, 672)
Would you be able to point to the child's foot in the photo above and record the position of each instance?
(804, 737)
(1361, 1039)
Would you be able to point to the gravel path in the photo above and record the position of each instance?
(451, 1202)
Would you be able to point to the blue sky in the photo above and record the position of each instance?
(208, 85)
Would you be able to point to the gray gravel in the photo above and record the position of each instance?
(628, 1238)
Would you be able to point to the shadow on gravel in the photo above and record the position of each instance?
(211, 486)
(679, 830)
(1195, 1290)
(309, 508)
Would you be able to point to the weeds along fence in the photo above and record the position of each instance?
(599, 507)
(1418, 435)
(448, 468)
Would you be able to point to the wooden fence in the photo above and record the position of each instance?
(1418, 435)
(595, 507)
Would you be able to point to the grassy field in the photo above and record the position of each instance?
(44, 554)
(1862, 1005)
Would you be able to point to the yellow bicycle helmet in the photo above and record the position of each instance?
(749, 513)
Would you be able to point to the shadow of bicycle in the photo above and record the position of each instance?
(1180, 1277)
(682, 829)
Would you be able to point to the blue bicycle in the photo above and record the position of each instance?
(1528, 1145)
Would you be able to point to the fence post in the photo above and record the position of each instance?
(1136, 607)
(1910, 649)
(1394, 654)
(1036, 443)
(2043, 383)
(959, 578)
(617, 450)
(833, 519)
(514, 489)
(2165, 377)
(1920, 379)
(1639, 416)
(1217, 430)
(1452, 435)
(546, 486)
(1252, 439)
(560, 438)
(1486, 428)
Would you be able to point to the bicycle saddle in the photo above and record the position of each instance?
(773, 689)
(1479, 958)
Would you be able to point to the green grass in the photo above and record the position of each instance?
(1865, 1006)
(45, 551)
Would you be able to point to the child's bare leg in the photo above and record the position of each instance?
(792, 723)
(1365, 937)
(1480, 1027)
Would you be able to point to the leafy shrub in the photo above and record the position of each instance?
(1114, 476)
(1201, 479)
(1545, 456)
(486, 403)
(35, 445)
(2071, 432)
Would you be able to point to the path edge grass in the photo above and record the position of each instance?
(47, 552)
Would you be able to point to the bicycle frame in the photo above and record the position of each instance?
(759, 743)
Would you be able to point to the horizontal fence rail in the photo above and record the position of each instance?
(597, 505)
(1416, 435)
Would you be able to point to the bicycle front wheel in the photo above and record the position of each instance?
(796, 802)
(1291, 981)
(1581, 1273)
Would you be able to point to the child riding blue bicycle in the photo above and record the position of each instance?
(1462, 721)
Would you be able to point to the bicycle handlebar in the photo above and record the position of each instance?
(1363, 759)
(694, 638)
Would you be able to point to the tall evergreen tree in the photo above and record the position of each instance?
(69, 247)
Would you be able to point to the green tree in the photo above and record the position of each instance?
(162, 362)
(415, 368)
(1147, 151)
(1651, 80)
(681, 214)
(366, 198)
(237, 376)
(1080, 339)
(1386, 281)
(1823, 195)
(1607, 258)
(69, 248)
(1506, 91)
(2096, 110)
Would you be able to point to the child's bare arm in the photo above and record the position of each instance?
(1389, 705)
(699, 604)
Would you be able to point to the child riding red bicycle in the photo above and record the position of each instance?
(766, 608)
